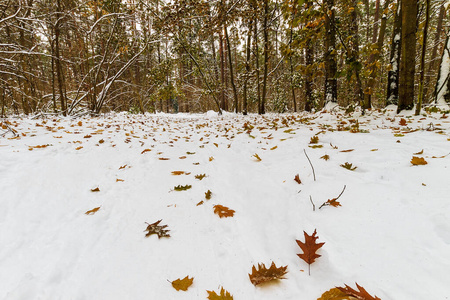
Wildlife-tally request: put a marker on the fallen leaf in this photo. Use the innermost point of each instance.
(92, 211)
(223, 295)
(79, 148)
(297, 179)
(146, 150)
(163, 158)
(263, 274)
(362, 294)
(200, 203)
(419, 153)
(334, 294)
(200, 176)
(211, 158)
(119, 180)
(349, 150)
(179, 188)
(309, 248)
(154, 228)
(402, 122)
(182, 284)
(418, 161)
(257, 157)
(325, 157)
(122, 167)
(273, 148)
(95, 190)
(208, 195)
(223, 211)
(178, 173)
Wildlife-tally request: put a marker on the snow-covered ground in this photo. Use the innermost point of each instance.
(391, 233)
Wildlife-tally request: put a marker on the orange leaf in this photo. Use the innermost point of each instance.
(177, 173)
(79, 148)
(224, 295)
(418, 161)
(146, 150)
(122, 167)
(362, 294)
(95, 190)
(223, 211)
(92, 211)
(402, 122)
(119, 180)
(297, 179)
(182, 284)
(309, 248)
(263, 274)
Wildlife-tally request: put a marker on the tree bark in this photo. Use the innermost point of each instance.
(408, 55)
(262, 109)
(422, 58)
(396, 46)
(330, 54)
(235, 95)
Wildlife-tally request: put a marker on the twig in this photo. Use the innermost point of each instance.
(314, 173)
(310, 199)
(327, 203)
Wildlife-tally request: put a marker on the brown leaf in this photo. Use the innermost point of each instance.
(418, 161)
(178, 173)
(122, 167)
(146, 150)
(224, 295)
(325, 157)
(257, 157)
(154, 228)
(402, 122)
(309, 248)
(263, 274)
(163, 158)
(182, 284)
(79, 148)
(419, 153)
(333, 202)
(119, 180)
(274, 147)
(223, 211)
(95, 190)
(208, 195)
(334, 294)
(92, 211)
(362, 294)
(349, 150)
(297, 179)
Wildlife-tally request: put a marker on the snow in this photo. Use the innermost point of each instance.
(391, 235)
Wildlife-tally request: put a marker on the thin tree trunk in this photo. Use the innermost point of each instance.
(258, 84)
(422, 58)
(266, 56)
(59, 74)
(396, 46)
(247, 67)
(330, 54)
(235, 95)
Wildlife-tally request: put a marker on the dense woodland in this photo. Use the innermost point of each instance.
(76, 57)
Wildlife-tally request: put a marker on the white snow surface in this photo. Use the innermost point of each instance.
(391, 233)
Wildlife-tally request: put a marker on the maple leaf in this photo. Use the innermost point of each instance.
(224, 295)
(325, 157)
(179, 188)
(263, 274)
(297, 179)
(309, 248)
(418, 161)
(362, 294)
(92, 211)
(182, 284)
(223, 211)
(155, 228)
(334, 294)
(200, 176)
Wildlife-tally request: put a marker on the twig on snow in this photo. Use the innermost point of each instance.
(312, 167)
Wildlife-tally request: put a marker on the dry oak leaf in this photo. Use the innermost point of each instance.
(224, 295)
(263, 274)
(95, 190)
(178, 173)
(154, 228)
(402, 122)
(223, 211)
(362, 294)
(182, 284)
(146, 150)
(418, 161)
(297, 179)
(325, 157)
(208, 195)
(92, 211)
(419, 153)
(335, 294)
(309, 248)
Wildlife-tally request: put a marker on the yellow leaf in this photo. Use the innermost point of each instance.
(224, 295)
(335, 294)
(418, 161)
(273, 148)
(92, 211)
(182, 284)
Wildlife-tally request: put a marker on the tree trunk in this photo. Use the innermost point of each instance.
(247, 67)
(59, 72)
(374, 58)
(235, 95)
(330, 54)
(396, 46)
(262, 109)
(408, 55)
(442, 90)
(258, 84)
(422, 58)
(433, 58)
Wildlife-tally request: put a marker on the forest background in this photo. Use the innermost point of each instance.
(75, 57)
